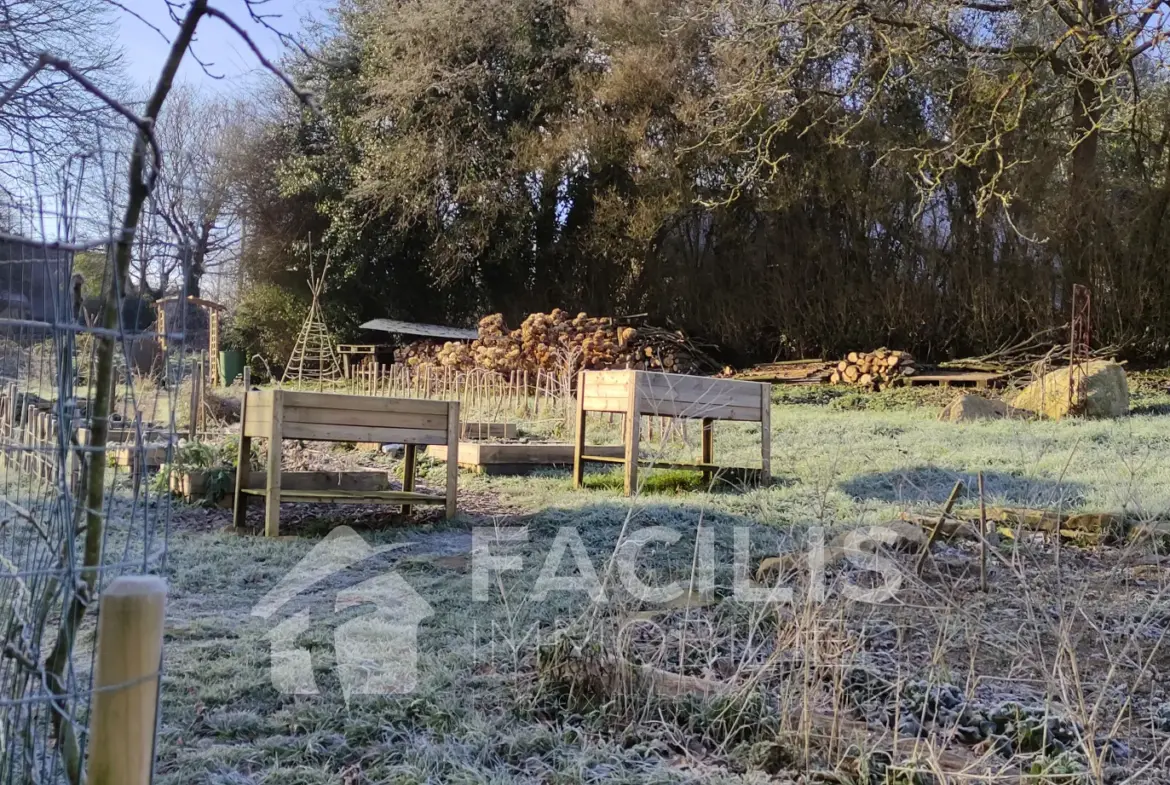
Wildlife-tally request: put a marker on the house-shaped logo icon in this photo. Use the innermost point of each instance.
(377, 652)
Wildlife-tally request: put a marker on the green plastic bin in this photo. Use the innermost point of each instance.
(231, 365)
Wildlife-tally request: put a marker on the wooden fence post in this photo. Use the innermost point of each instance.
(126, 679)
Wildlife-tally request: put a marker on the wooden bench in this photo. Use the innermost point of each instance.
(637, 393)
(284, 414)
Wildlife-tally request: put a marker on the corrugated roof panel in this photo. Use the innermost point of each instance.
(424, 330)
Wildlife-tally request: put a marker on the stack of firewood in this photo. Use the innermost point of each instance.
(557, 341)
(875, 370)
(418, 352)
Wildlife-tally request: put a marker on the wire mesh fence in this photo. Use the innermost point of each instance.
(75, 510)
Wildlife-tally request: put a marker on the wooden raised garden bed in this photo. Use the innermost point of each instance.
(635, 394)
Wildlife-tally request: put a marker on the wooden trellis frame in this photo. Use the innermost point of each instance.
(213, 311)
(314, 357)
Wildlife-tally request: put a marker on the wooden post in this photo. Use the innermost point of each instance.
(452, 457)
(272, 483)
(579, 439)
(408, 461)
(29, 463)
(213, 346)
(191, 402)
(766, 434)
(126, 679)
(633, 435)
(204, 377)
(243, 461)
(707, 447)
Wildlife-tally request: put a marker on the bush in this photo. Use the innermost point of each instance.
(266, 322)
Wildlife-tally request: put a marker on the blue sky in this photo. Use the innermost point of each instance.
(216, 44)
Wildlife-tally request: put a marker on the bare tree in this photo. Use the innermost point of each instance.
(194, 198)
(48, 116)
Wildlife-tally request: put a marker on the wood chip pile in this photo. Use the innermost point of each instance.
(556, 340)
(875, 370)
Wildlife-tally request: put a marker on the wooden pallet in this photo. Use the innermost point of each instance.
(944, 378)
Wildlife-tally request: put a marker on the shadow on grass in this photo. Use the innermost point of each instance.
(1155, 409)
(933, 485)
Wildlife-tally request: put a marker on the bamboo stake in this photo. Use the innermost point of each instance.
(954, 497)
(983, 537)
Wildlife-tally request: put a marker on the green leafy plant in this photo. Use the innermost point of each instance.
(215, 461)
(266, 322)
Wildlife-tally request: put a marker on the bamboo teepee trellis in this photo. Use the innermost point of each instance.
(314, 357)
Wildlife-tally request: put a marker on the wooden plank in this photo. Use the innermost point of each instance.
(452, 466)
(323, 416)
(633, 437)
(766, 434)
(322, 481)
(468, 453)
(698, 411)
(579, 439)
(362, 433)
(408, 466)
(689, 387)
(489, 430)
(946, 378)
(243, 459)
(272, 484)
(364, 403)
(259, 398)
(123, 435)
(352, 497)
(148, 456)
(707, 446)
(656, 464)
(257, 420)
(595, 390)
(595, 404)
(472, 454)
(537, 453)
(609, 377)
(722, 392)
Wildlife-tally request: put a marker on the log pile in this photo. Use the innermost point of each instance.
(557, 340)
(419, 352)
(875, 370)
